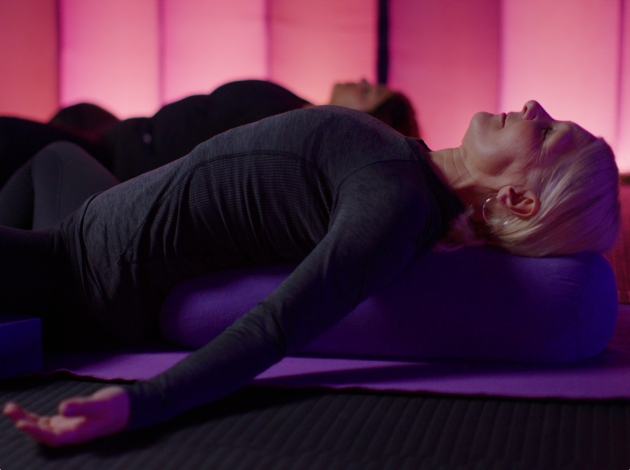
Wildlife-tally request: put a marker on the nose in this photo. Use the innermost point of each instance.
(533, 110)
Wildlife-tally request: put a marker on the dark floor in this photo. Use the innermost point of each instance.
(274, 428)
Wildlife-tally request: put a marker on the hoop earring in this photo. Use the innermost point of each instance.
(485, 217)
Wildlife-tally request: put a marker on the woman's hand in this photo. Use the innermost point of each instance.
(79, 419)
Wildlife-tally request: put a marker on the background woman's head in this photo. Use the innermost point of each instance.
(554, 186)
(391, 107)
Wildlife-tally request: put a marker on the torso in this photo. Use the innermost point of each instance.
(264, 193)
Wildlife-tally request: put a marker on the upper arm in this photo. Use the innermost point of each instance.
(375, 230)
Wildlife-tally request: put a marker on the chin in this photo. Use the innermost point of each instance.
(482, 116)
(480, 122)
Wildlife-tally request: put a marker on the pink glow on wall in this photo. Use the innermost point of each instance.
(314, 44)
(444, 55)
(206, 44)
(564, 54)
(109, 54)
(622, 147)
(452, 57)
(28, 58)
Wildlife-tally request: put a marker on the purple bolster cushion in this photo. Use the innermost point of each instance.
(474, 303)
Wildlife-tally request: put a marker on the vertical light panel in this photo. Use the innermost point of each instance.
(314, 44)
(623, 125)
(564, 54)
(109, 54)
(444, 54)
(28, 58)
(207, 43)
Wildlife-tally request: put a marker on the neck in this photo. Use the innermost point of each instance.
(451, 170)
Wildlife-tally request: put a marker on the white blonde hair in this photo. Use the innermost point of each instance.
(579, 209)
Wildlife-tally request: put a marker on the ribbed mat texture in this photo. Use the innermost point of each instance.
(275, 428)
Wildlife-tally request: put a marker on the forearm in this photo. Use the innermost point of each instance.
(223, 366)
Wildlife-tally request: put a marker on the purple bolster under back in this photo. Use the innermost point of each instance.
(474, 303)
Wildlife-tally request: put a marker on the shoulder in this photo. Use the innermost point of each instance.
(255, 88)
(338, 120)
(247, 84)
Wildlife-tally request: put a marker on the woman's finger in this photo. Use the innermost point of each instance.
(38, 429)
(59, 430)
(15, 412)
(45, 434)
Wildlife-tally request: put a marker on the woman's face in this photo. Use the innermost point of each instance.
(503, 146)
(361, 95)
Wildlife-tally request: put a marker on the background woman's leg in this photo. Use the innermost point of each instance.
(32, 270)
(36, 279)
(21, 139)
(50, 186)
(34, 276)
(64, 176)
(17, 199)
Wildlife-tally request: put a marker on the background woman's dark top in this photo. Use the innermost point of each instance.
(138, 145)
(341, 192)
(133, 146)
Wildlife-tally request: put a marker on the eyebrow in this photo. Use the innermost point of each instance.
(552, 142)
(566, 131)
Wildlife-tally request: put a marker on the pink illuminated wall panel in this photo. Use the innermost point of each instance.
(28, 58)
(445, 55)
(622, 147)
(452, 57)
(109, 54)
(208, 43)
(314, 44)
(564, 54)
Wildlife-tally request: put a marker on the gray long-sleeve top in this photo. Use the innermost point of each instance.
(335, 189)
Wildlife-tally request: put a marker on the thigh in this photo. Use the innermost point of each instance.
(63, 177)
(36, 279)
(21, 139)
(17, 199)
(32, 270)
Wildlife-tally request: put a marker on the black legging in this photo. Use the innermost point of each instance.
(36, 280)
(50, 186)
(35, 274)
(21, 139)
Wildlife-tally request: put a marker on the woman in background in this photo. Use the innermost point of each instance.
(47, 188)
(133, 146)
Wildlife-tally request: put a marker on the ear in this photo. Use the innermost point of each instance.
(523, 203)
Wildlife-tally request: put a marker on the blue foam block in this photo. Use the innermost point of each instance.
(20, 345)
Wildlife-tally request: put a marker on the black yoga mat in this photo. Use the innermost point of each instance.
(281, 428)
